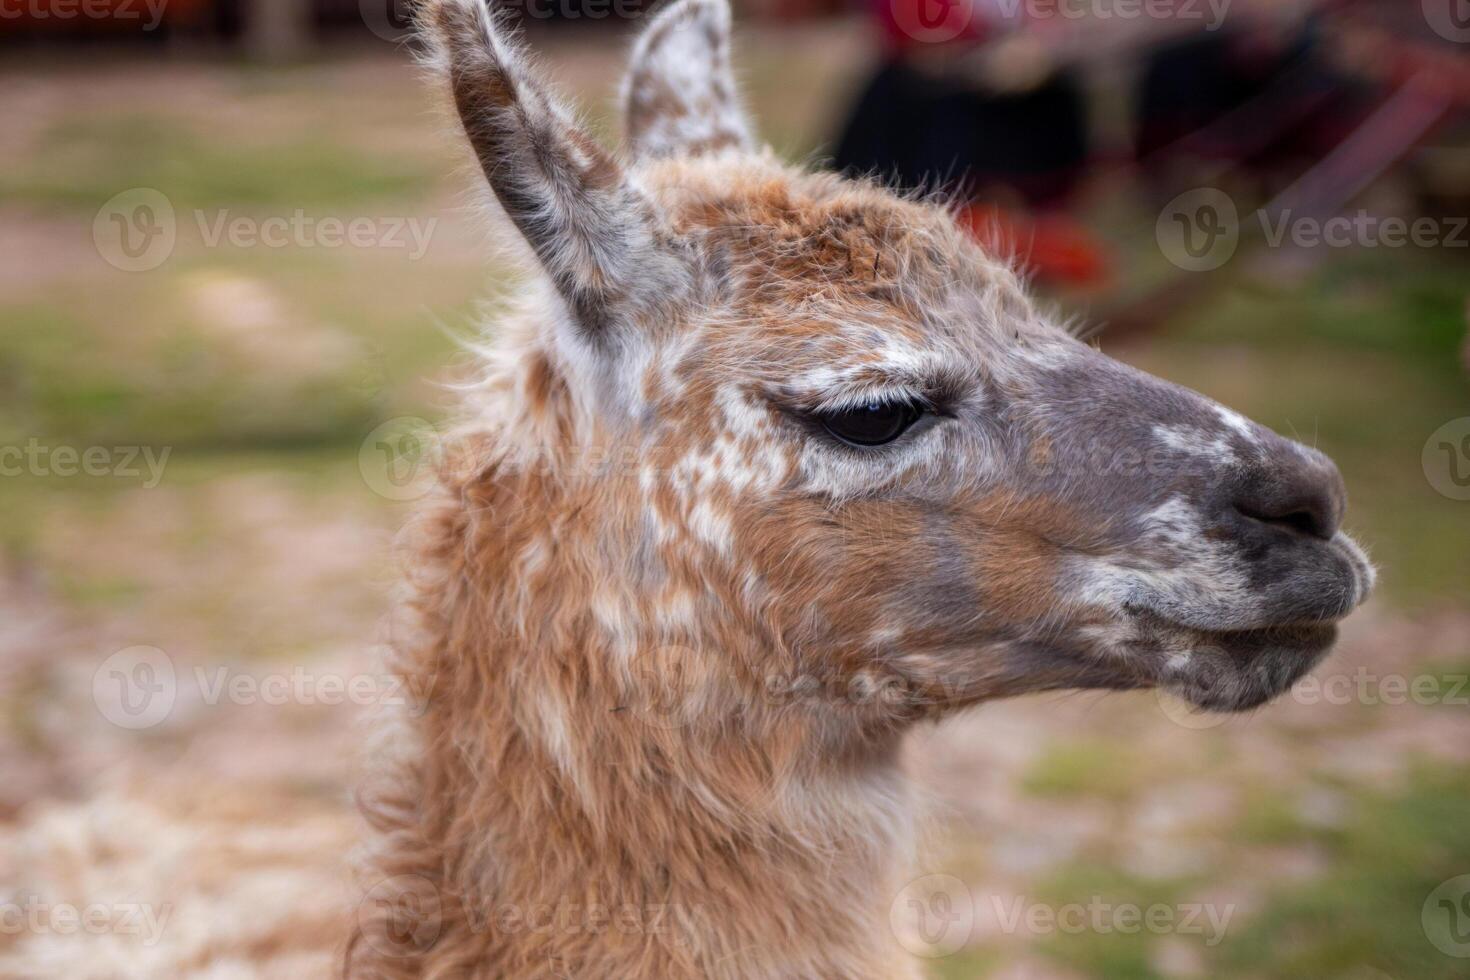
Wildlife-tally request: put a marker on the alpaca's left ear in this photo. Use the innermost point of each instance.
(679, 96)
(586, 222)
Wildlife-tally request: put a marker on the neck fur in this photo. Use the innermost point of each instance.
(595, 784)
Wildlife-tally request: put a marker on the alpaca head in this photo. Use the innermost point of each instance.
(845, 431)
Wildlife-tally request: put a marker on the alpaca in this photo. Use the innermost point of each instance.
(767, 467)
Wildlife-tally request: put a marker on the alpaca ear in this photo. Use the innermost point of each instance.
(569, 198)
(679, 96)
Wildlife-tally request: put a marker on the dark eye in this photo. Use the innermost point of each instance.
(872, 424)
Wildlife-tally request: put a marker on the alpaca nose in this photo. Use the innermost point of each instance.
(1292, 488)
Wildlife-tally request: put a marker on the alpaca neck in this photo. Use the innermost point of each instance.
(629, 843)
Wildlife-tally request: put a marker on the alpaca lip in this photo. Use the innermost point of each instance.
(1242, 669)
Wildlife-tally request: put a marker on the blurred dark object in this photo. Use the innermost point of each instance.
(1242, 101)
(1281, 104)
(921, 130)
(956, 108)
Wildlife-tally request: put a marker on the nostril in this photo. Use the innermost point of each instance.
(1300, 521)
(1315, 518)
(1288, 488)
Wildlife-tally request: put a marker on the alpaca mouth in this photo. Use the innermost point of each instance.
(1230, 656)
(1238, 670)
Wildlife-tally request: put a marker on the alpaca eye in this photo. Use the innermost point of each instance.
(873, 424)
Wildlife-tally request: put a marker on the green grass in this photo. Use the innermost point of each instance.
(161, 387)
(1096, 769)
(84, 160)
(1362, 918)
(1110, 950)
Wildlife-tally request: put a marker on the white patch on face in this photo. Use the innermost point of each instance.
(1176, 571)
(725, 464)
(1196, 442)
(1174, 521)
(1237, 423)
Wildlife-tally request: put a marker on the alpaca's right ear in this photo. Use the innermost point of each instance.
(570, 199)
(679, 97)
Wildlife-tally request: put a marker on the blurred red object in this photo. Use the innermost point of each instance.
(1052, 247)
(87, 16)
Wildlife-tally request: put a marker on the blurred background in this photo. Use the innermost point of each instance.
(236, 254)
